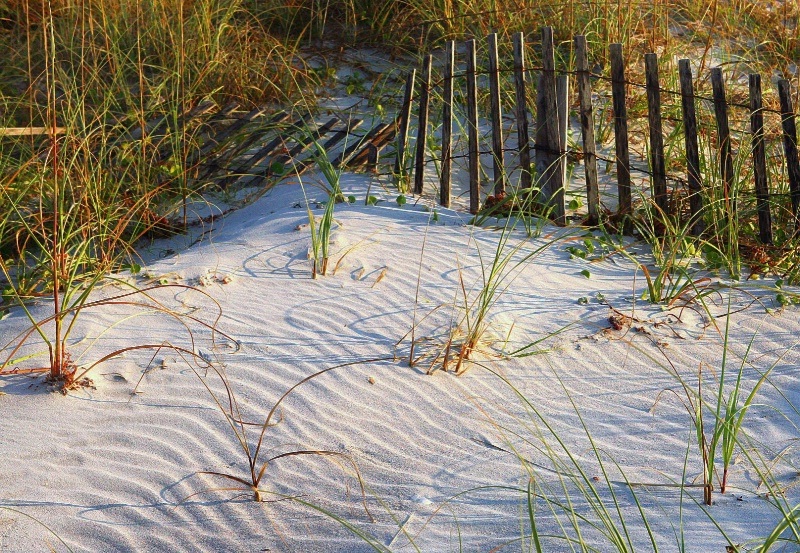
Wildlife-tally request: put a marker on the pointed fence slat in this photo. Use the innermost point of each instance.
(337, 137)
(496, 117)
(790, 147)
(402, 139)
(220, 138)
(657, 160)
(620, 128)
(422, 125)
(697, 225)
(548, 152)
(587, 130)
(760, 160)
(723, 138)
(447, 125)
(167, 147)
(521, 112)
(474, 160)
(282, 164)
(562, 103)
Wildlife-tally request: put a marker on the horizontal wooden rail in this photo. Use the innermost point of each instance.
(31, 131)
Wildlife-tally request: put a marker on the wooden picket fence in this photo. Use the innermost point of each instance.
(549, 142)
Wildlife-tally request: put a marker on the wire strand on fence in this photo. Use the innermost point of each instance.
(537, 69)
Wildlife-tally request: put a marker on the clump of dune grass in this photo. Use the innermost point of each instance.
(567, 505)
(70, 305)
(719, 422)
(117, 80)
(471, 311)
(564, 503)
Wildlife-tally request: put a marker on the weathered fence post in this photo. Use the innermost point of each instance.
(373, 153)
(790, 147)
(422, 125)
(496, 117)
(562, 103)
(447, 125)
(523, 138)
(657, 162)
(760, 161)
(697, 225)
(548, 155)
(620, 128)
(724, 139)
(587, 127)
(402, 137)
(474, 160)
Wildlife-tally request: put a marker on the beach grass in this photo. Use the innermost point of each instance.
(76, 202)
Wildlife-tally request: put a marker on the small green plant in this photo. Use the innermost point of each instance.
(321, 229)
(670, 286)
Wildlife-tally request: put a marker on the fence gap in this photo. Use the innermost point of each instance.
(657, 161)
(447, 125)
(496, 117)
(724, 138)
(402, 138)
(760, 160)
(620, 128)
(790, 147)
(587, 128)
(523, 138)
(474, 160)
(422, 124)
(697, 225)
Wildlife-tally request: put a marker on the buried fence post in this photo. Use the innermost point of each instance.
(548, 151)
(472, 130)
(587, 127)
(697, 225)
(422, 125)
(447, 126)
(496, 117)
(760, 160)
(657, 160)
(620, 128)
(523, 138)
(790, 147)
(402, 138)
(724, 139)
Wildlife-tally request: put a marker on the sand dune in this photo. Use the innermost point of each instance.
(111, 471)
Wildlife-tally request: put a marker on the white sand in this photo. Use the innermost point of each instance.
(108, 471)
